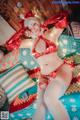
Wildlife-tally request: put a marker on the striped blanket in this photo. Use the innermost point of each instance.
(15, 80)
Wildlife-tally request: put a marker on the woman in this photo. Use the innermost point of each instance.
(47, 59)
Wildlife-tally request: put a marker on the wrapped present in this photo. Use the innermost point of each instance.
(68, 46)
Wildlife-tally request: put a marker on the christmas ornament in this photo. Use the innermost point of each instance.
(19, 4)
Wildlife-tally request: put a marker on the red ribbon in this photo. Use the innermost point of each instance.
(33, 73)
(29, 14)
(15, 41)
(59, 21)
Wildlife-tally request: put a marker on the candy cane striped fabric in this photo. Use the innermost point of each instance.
(15, 81)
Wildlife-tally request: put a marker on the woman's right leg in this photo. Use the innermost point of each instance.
(55, 90)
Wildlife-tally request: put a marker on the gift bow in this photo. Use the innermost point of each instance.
(15, 41)
(59, 21)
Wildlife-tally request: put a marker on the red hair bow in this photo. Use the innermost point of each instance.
(29, 14)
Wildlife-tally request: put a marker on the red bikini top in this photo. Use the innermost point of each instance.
(50, 47)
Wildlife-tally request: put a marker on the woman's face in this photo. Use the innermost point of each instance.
(35, 28)
(33, 25)
(33, 32)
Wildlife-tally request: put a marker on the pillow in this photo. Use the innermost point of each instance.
(27, 59)
(68, 46)
(15, 80)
